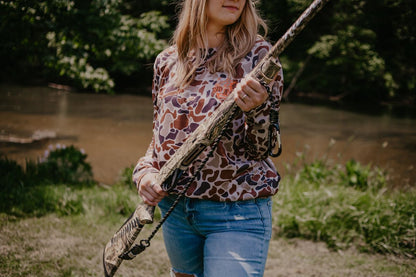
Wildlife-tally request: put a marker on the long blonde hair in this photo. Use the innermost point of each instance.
(191, 40)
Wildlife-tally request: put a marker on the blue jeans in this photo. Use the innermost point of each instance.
(217, 239)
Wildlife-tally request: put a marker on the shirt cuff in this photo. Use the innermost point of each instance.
(138, 175)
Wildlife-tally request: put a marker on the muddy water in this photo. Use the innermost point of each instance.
(115, 131)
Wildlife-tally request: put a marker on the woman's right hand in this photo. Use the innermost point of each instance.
(149, 191)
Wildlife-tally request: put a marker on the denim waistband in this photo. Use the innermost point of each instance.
(187, 199)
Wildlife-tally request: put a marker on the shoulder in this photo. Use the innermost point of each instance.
(166, 57)
(261, 47)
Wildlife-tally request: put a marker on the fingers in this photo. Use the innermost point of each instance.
(250, 94)
(150, 192)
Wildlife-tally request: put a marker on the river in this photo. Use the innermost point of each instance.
(114, 131)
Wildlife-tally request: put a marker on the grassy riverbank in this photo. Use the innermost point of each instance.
(72, 246)
(329, 220)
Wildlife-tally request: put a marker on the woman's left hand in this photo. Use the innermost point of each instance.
(250, 94)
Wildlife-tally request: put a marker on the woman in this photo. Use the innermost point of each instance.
(223, 225)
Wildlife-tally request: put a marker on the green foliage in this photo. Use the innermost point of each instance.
(351, 56)
(118, 200)
(66, 165)
(315, 172)
(120, 50)
(362, 50)
(40, 200)
(61, 183)
(126, 177)
(84, 43)
(351, 206)
(355, 175)
(45, 186)
(342, 205)
(362, 177)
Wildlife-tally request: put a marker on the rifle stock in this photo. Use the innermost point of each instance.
(265, 72)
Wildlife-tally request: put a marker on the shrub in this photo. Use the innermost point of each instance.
(66, 165)
(85, 44)
(42, 186)
(351, 206)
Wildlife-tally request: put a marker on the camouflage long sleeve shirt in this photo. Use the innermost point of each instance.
(240, 168)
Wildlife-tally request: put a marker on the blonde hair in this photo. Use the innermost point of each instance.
(191, 40)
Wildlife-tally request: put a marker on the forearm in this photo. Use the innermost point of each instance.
(145, 165)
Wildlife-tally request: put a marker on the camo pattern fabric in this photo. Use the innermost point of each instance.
(240, 168)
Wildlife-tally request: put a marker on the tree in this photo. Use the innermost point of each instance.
(362, 51)
(353, 50)
(83, 43)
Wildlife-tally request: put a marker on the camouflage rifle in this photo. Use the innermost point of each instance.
(120, 248)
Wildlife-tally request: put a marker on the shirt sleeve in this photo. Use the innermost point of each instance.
(144, 165)
(147, 163)
(257, 121)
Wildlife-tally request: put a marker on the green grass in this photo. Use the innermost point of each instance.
(347, 205)
(48, 185)
(344, 205)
